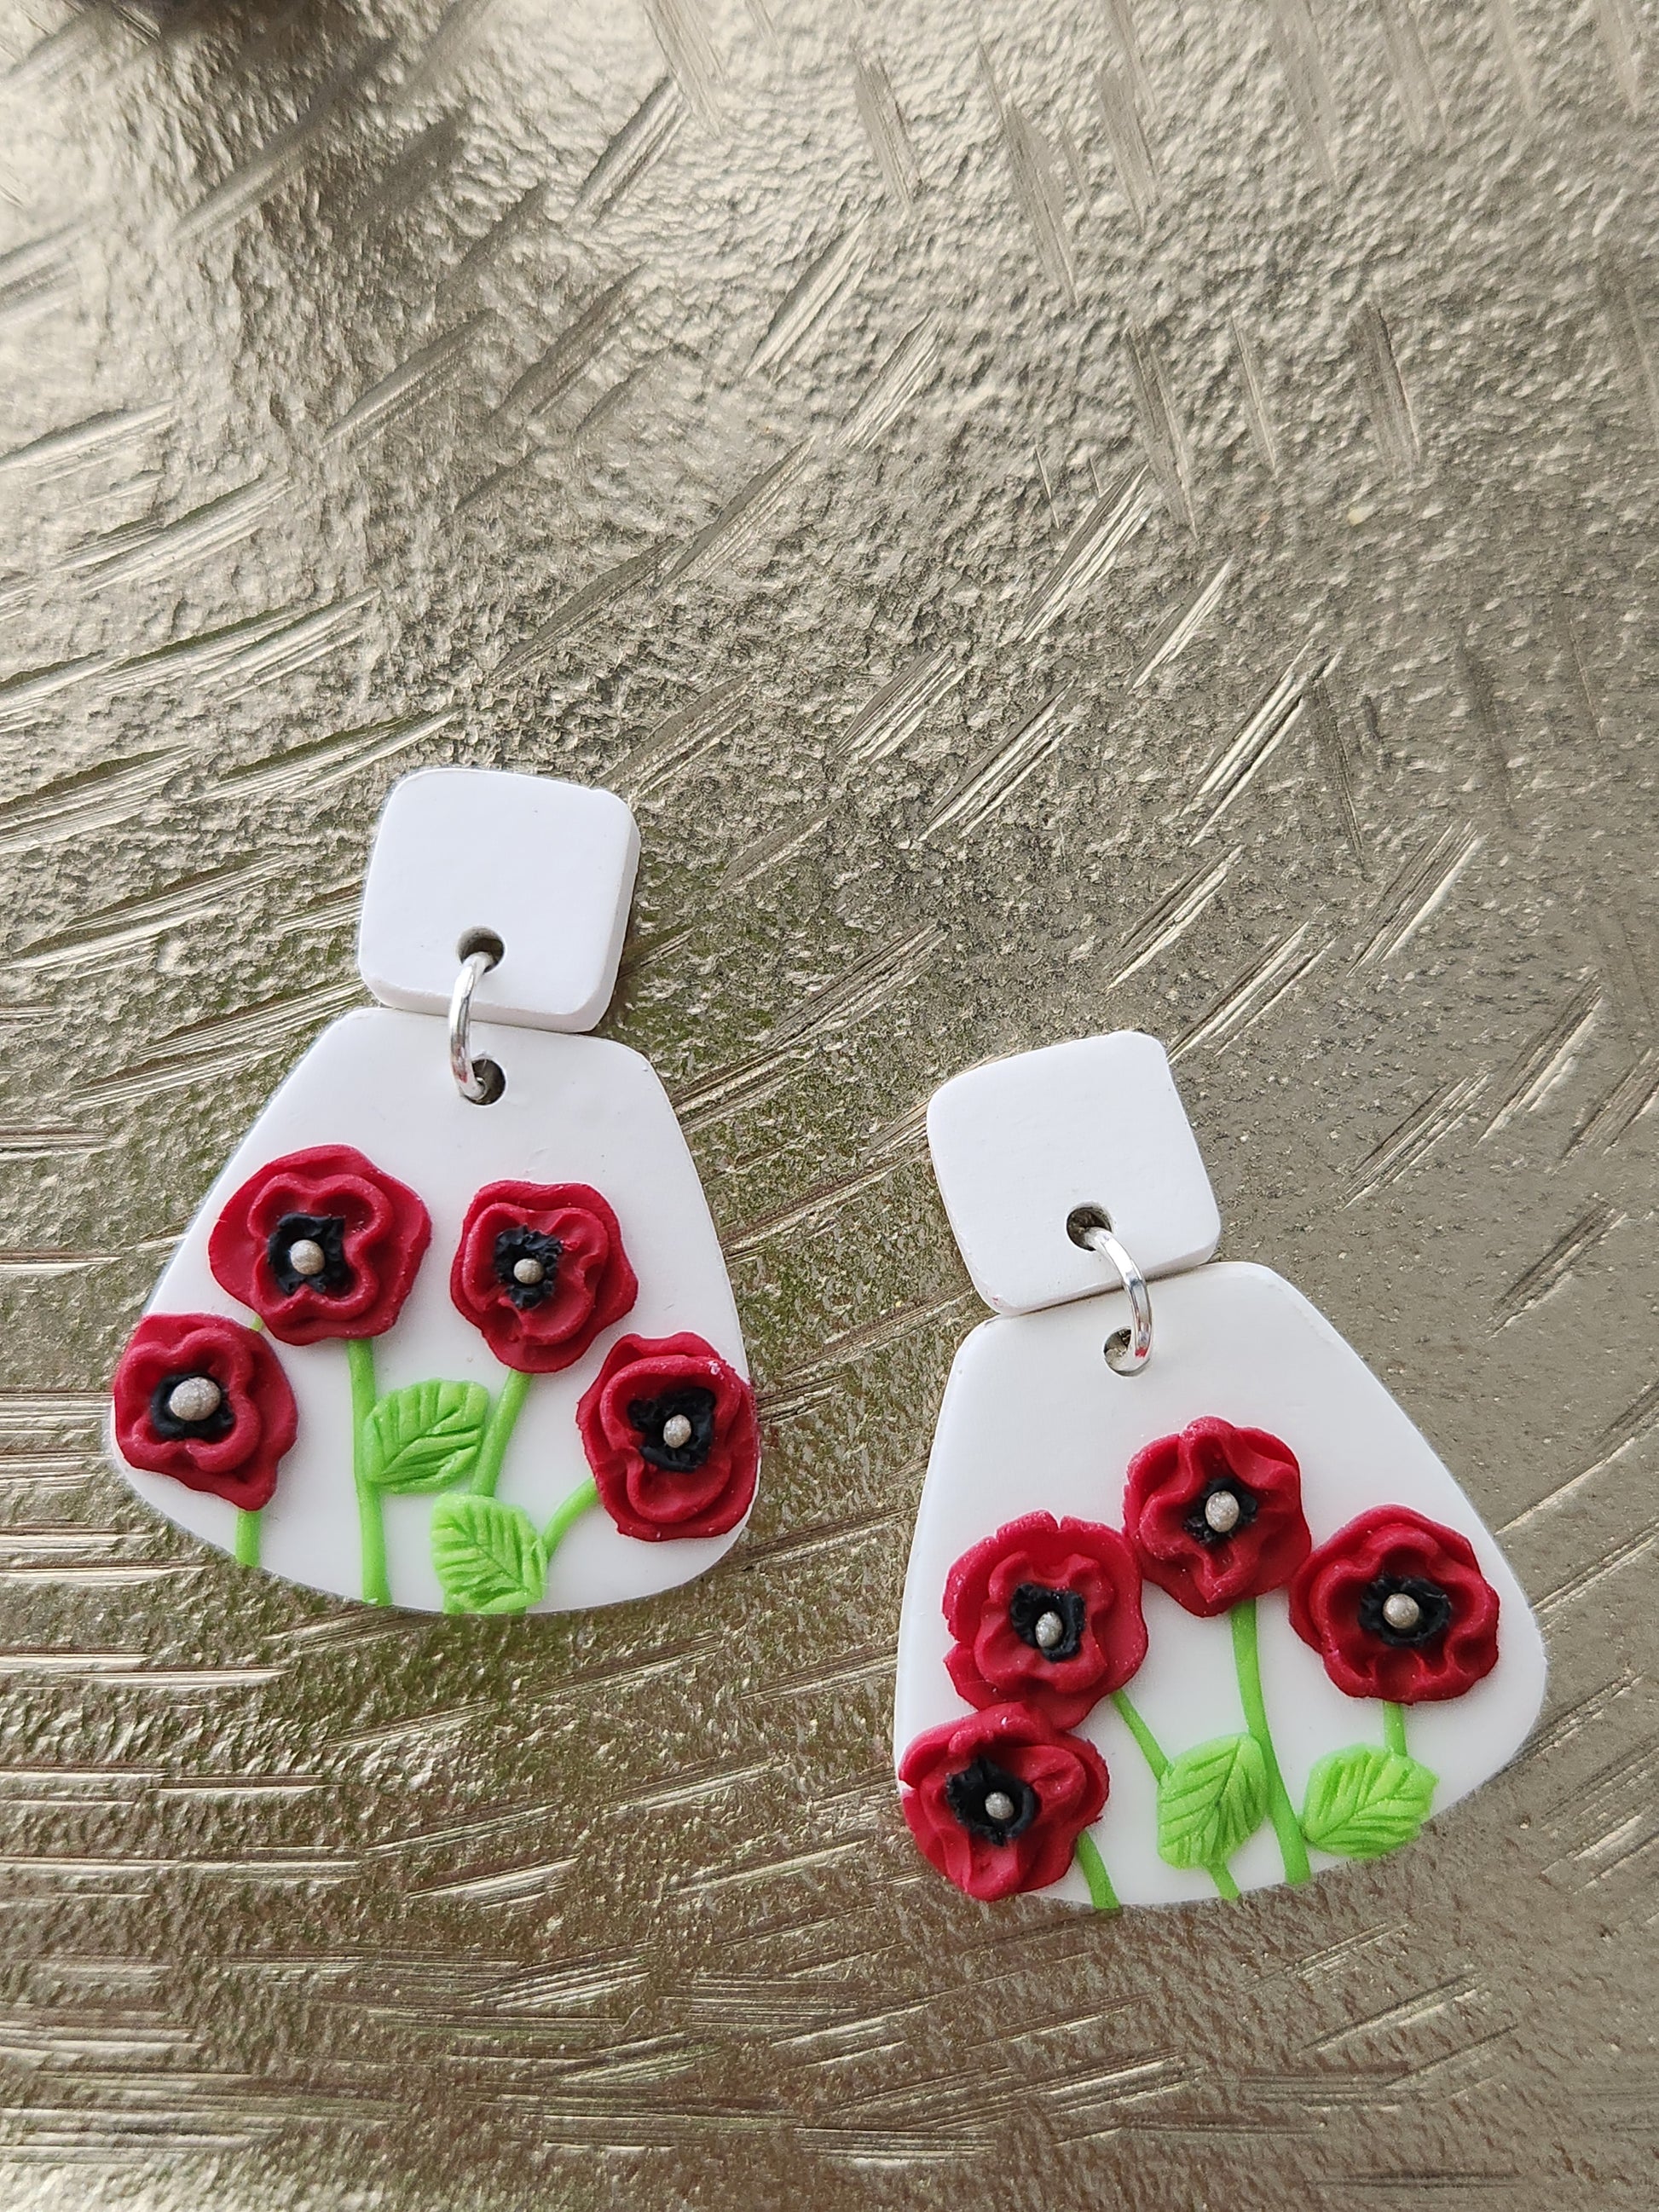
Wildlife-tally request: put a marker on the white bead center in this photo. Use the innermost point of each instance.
(998, 1807)
(677, 1432)
(307, 1256)
(197, 1398)
(1049, 1631)
(1221, 1511)
(528, 1272)
(1401, 1611)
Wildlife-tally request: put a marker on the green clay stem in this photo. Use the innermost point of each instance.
(1150, 1749)
(1247, 1660)
(1101, 1895)
(1394, 1727)
(371, 1523)
(586, 1494)
(499, 1433)
(248, 1538)
(1152, 1752)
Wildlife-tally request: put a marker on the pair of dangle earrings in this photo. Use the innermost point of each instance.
(453, 1331)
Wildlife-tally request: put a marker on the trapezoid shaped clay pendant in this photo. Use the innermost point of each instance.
(455, 1332)
(1179, 1625)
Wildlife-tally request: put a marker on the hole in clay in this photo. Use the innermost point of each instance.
(489, 1074)
(481, 940)
(1082, 1218)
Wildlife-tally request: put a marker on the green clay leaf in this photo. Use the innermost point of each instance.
(488, 1556)
(425, 1437)
(1210, 1800)
(1365, 1800)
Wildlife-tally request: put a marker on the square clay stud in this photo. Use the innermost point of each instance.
(547, 867)
(1020, 1144)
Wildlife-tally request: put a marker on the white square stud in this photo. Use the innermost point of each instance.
(547, 867)
(1020, 1144)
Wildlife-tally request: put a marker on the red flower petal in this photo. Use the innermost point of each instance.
(991, 1662)
(383, 1232)
(1068, 1776)
(588, 1284)
(650, 1490)
(235, 1456)
(1205, 1570)
(1336, 1600)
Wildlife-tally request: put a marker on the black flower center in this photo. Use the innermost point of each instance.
(1051, 1621)
(989, 1802)
(167, 1424)
(676, 1430)
(527, 1266)
(1404, 1609)
(320, 1262)
(1221, 1509)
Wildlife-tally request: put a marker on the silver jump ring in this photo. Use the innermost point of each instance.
(469, 1080)
(1127, 1349)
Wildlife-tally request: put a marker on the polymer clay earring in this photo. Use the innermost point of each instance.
(1202, 1615)
(452, 1330)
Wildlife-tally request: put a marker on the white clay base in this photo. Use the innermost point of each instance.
(1034, 1420)
(576, 1109)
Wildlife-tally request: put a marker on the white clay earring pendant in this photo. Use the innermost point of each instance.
(453, 1329)
(1202, 1615)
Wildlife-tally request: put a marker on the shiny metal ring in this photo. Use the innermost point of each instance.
(469, 1080)
(1127, 1349)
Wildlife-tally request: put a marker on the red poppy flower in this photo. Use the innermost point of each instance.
(1397, 1607)
(1046, 1611)
(540, 1269)
(321, 1243)
(1215, 1514)
(670, 1432)
(997, 1801)
(204, 1400)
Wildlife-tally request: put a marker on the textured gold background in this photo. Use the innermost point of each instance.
(1058, 516)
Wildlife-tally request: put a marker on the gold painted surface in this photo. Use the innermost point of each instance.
(1057, 516)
